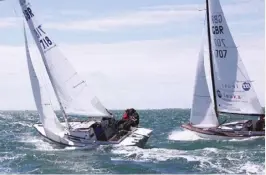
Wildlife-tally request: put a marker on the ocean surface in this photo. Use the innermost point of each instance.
(169, 150)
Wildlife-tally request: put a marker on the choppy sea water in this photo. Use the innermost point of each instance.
(169, 150)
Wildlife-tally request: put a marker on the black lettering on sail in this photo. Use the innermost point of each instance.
(28, 13)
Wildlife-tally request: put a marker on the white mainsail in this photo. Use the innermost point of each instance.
(233, 88)
(50, 122)
(71, 91)
(202, 112)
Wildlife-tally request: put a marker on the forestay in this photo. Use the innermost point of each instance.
(234, 90)
(202, 113)
(71, 91)
(48, 118)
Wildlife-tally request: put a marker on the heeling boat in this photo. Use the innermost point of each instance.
(73, 96)
(232, 89)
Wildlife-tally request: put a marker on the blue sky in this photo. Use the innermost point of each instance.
(60, 11)
(154, 43)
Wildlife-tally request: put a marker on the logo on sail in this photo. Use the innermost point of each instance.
(246, 86)
(230, 86)
(219, 93)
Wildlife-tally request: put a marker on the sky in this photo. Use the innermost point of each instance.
(139, 54)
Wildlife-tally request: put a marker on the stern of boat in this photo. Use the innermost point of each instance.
(138, 137)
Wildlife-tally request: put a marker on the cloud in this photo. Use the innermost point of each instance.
(139, 18)
(140, 74)
(144, 16)
(154, 15)
(74, 12)
(7, 22)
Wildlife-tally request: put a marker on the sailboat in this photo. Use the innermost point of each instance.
(232, 89)
(73, 96)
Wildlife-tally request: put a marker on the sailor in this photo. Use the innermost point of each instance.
(134, 116)
(260, 125)
(99, 132)
(125, 117)
(133, 119)
(130, 118)
(247, 126)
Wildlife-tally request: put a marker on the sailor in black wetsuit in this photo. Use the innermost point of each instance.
(260, 125)
(130, 118)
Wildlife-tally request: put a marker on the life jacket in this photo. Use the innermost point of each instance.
(125, 116)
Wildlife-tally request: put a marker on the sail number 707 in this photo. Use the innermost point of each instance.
(221, 53)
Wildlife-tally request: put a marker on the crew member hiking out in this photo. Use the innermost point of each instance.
(130, 118)
(124, 118)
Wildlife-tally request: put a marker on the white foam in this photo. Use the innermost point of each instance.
(215, 150)
(250, 167)
(45, 145)
(89, 147)
(9, 157)
(160, 154)
(23, 124)
(183, 136)
(154, 154)
(38, 143)
(245, 139)
(6, 116)
(6, 157)
(208, 158)
(207, 164)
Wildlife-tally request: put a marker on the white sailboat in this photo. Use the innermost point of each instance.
(73, 96)
(232, 88)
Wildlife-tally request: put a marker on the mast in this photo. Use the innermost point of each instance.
(211, 58)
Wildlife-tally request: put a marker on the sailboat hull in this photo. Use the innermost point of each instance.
(137, 137)
(222, 134)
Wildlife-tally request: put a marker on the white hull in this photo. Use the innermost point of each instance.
(137, 137)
